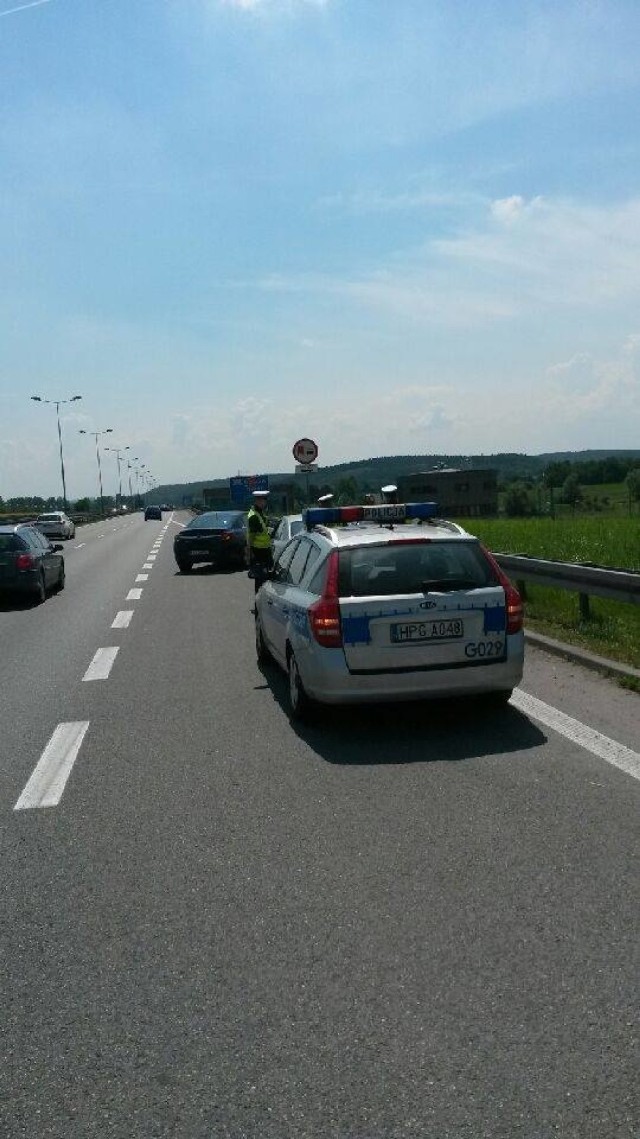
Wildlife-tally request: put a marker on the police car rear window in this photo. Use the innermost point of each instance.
(413, 567)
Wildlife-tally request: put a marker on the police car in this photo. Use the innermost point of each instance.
(383, 603)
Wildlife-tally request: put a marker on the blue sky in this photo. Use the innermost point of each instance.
(396, 226)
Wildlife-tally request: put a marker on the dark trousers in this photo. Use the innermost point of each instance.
(261, 563)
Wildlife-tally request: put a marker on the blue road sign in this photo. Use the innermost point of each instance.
(241, 487)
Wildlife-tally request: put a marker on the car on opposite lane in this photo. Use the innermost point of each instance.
(383, 611)
(286, 529)
(217, 537)
(29, 563)
(56, 524)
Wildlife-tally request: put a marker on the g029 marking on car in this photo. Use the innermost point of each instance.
(484, 649)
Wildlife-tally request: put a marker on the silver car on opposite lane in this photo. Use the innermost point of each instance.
(372, 613)
(56, 524)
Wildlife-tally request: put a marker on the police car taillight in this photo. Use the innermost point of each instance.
(324, 614)
(512, 599)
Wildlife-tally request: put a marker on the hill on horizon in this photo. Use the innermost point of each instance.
(372, 473)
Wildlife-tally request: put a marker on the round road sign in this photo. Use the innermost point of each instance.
(305, 451)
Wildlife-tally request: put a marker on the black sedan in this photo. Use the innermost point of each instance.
(29, 564)
(218, 537)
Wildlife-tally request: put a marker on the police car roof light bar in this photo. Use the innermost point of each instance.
(383, 512)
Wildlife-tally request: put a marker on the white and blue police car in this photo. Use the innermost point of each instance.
(389, 602)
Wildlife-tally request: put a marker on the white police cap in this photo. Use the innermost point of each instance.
(390, 489)
(261, 494)
(325, 499)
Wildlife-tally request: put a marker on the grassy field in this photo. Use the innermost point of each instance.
(613, 629)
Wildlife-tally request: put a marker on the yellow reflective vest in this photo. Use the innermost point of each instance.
(261, 539)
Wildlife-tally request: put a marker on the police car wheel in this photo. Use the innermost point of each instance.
(262, 653)
(184, 566)
(300, 704)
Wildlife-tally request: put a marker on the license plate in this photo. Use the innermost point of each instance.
(195, 552)
(410, 631)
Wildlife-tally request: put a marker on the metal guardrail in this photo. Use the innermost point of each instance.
(585, 580)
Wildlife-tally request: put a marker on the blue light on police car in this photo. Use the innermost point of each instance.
(321, 515)
(422, 510)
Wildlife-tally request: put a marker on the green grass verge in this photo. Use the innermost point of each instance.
(613, 629)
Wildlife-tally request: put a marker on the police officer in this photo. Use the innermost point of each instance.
(260, 544)
(389, 493)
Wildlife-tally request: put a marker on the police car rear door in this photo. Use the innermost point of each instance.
(418, 604)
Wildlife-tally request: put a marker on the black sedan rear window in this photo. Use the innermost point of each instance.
(10, 542)
(413, 567)
(215, 520)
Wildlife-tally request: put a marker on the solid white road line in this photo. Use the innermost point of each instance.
(52, 770)
(101, 664)
(122, 619)
(178, 523)
(134, 595)
(612, 752)
(142, 577)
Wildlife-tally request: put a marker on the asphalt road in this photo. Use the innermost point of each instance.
(397, 922)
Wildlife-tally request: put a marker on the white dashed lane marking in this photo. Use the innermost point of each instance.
(142, 577)
(122, 619)
(134, 594)
(604, 748)
(52, 770)
(101, 664)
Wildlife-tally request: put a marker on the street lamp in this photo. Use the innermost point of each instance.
(143, 478)
(57, 402)
(133, 468)
(118, 451)
(96, 435)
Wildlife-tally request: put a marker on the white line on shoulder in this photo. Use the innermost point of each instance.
(602, 746)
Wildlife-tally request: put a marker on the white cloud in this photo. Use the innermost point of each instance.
(521, 260)
(510, 210)
(578, 389)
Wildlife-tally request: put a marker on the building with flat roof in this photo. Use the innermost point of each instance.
(462, 493)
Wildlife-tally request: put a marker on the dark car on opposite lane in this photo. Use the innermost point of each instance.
(29, 563)
(218, 537)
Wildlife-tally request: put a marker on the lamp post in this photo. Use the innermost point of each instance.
(56, 403)
(133, 468)
(96, 435)
(118, 451)
(143, 476)
(129, 469)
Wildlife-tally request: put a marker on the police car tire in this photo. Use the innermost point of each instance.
(300, 704)
(262, 653)
(184, 566)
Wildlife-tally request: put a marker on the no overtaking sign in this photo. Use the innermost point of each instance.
(305, 451)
